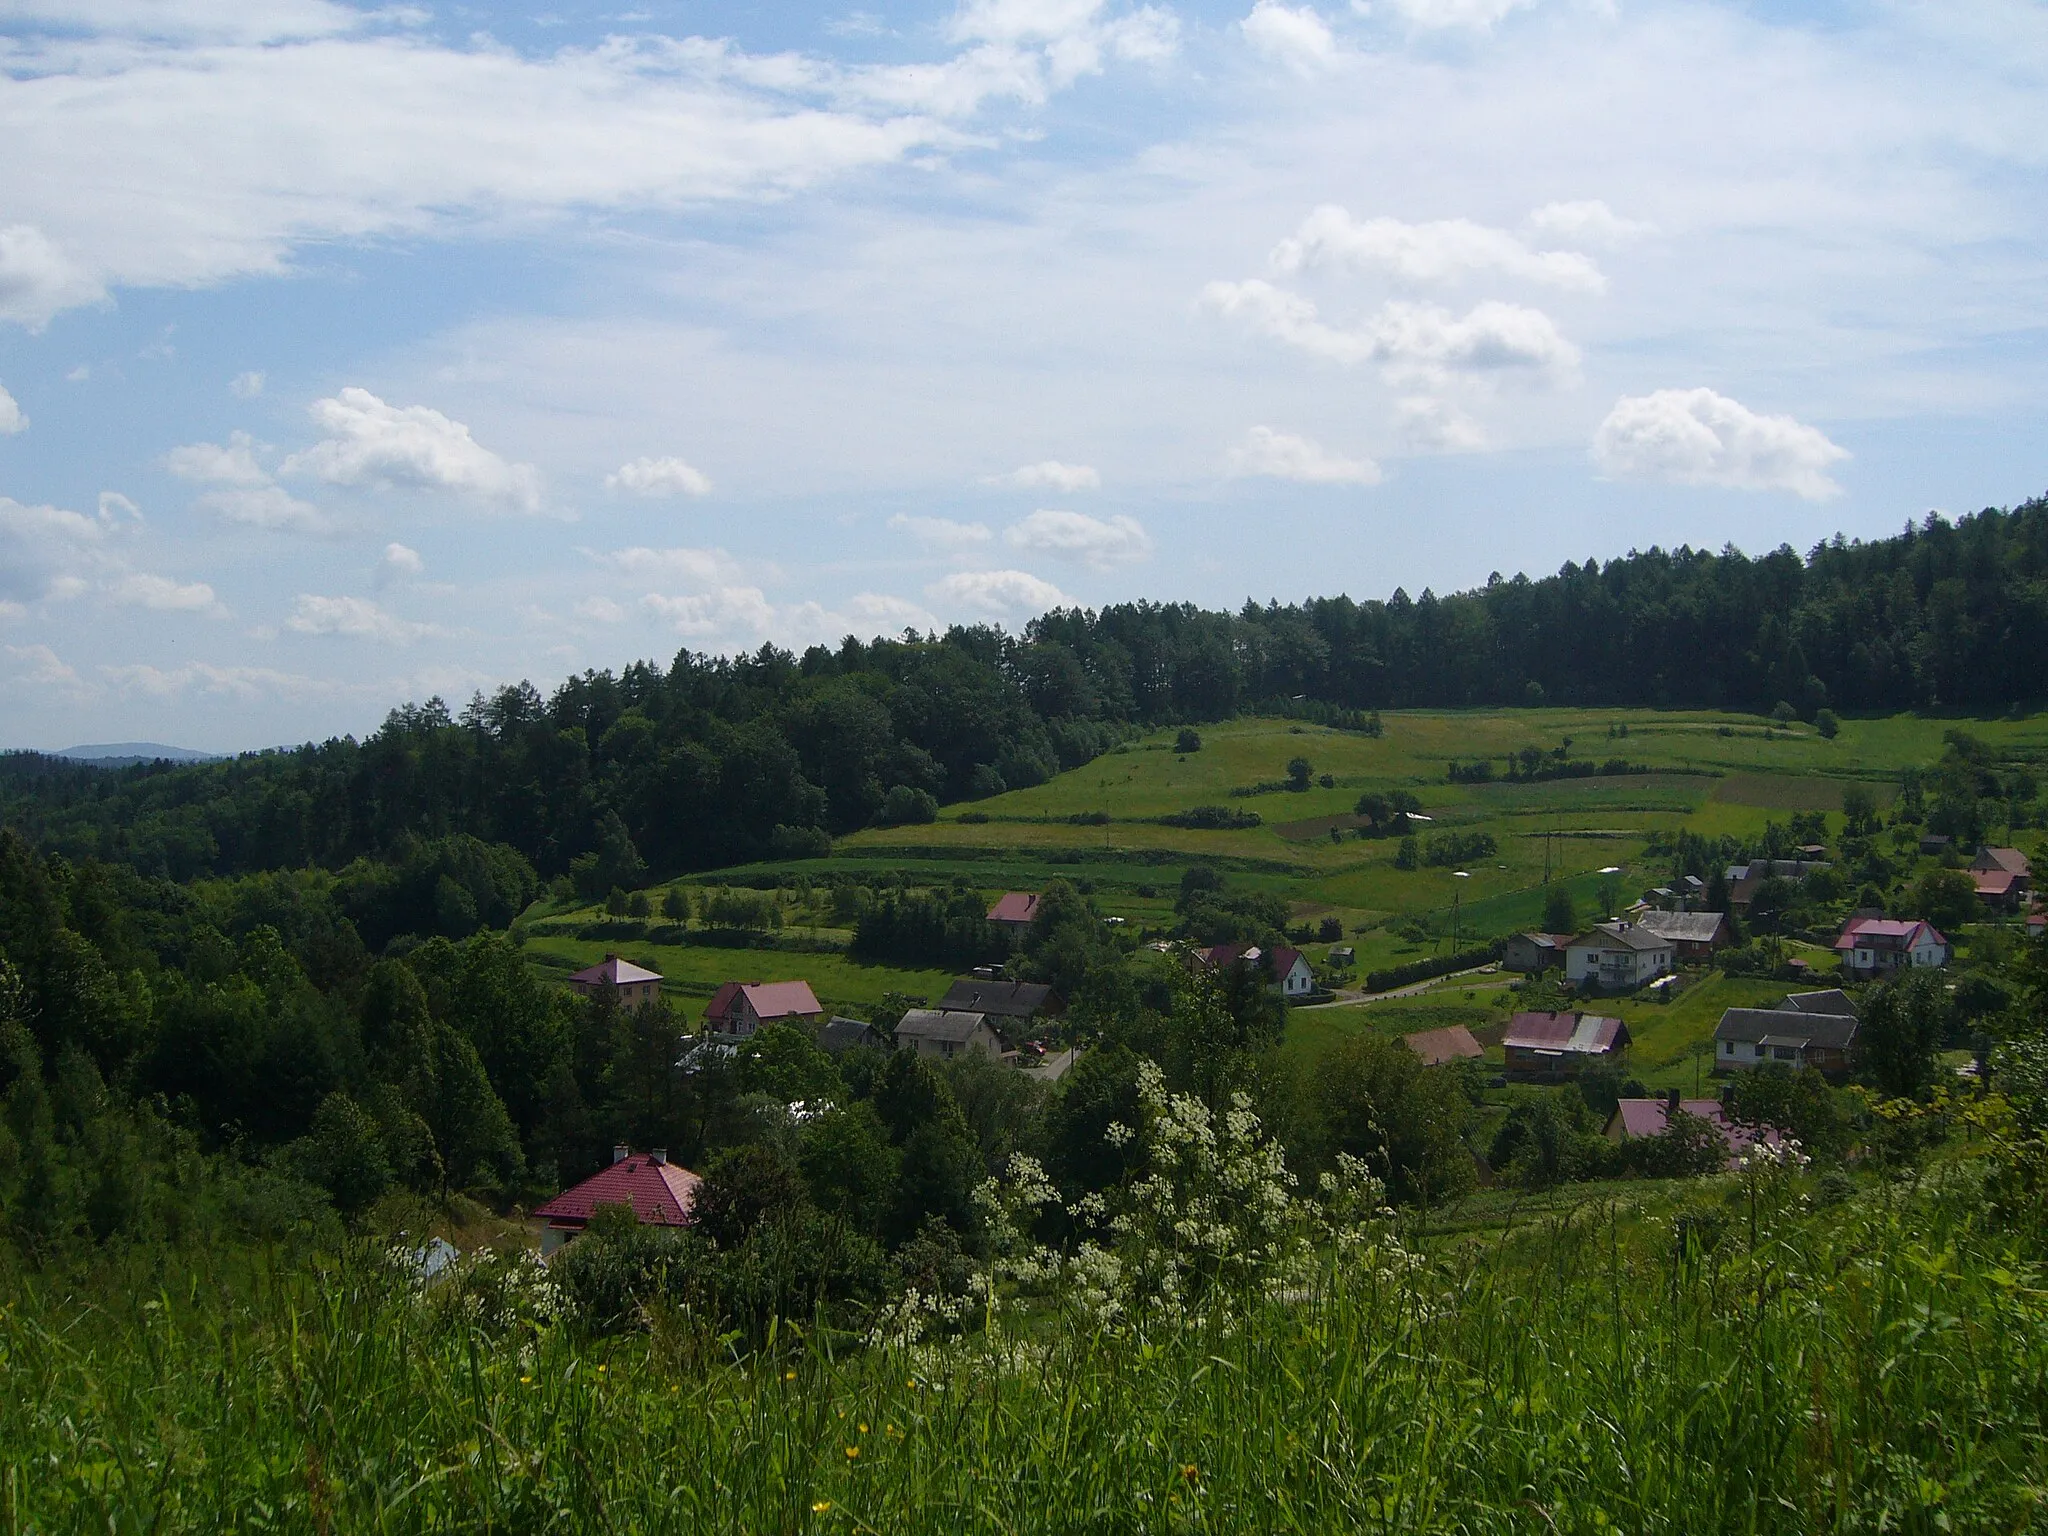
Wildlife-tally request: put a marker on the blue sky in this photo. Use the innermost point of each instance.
(355, 354)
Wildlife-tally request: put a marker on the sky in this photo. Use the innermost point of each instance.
(351, 355)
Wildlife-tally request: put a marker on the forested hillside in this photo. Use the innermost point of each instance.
(717, 760)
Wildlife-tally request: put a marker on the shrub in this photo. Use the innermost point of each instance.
(805, 842)
(1189, 740)
(905, 806)
(1211, 818)
(1827, 723)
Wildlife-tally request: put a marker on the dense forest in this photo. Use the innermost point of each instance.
(716, 760)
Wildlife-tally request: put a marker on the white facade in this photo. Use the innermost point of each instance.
(1613, 962)
(1299, 980)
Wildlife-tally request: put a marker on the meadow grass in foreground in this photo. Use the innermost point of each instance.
(1882, 1365)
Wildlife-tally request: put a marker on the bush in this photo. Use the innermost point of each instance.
(809, 842)
(1827, 723)
(1211, 818)
(904, 806)
(1189, 740)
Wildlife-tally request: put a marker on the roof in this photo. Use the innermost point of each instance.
(1619, 935)
(1280, 959)
(770, 1000)
(1437, 1046)
(1578, 1034)
(1788, 1026)
(1887, 933)
(1015, 907)
(1684, 927)
(615, 971)
(1650, 1117)
(954, 1025)
(2010, 860)
(659, 1193)
(1995, 882)
(1832, 1000)
(1004, 999)
(1541, 940)
(841, 1034)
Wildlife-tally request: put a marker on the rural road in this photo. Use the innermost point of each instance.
(1353, 999)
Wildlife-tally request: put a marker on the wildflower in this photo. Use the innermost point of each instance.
(863, 1429)
(821, 1506)
(526, 1381)
(789, 1375)
(600, 1367)
(1190, 1472)
(852, 1452)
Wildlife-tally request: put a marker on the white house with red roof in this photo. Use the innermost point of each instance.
(1014, 911)
(636, 986)
(1877, 946)
(740, 1007)
(660, 1194)
(1286, 968)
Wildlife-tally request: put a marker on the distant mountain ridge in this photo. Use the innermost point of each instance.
(119, 754)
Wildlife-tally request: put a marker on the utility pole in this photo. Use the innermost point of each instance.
(1457, 894)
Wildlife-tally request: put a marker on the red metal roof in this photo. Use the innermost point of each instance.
(1649, 1117)
(773, 1000)
(722, 1001)
(660, 1194)
(1015, 907)
(1437, 1046)
(1581, 1034)
(616, 971)
(1995, 882)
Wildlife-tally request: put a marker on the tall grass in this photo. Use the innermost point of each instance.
(1879, 1366)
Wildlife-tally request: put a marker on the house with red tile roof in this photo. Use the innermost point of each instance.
(1877, 946)
(740, 1007)
(634, 985)
(1014, 911)
(2003, 877)
(1285, 968)
(659, 1192)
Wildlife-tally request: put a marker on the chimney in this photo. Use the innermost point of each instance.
(621, 1152)
(658, 1156)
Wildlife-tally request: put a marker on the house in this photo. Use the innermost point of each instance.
(1286, 968)
(1807, 1029)
(1877, 946)
(1935, 843)
(1618, 957)
(1533, 952)
(1558, 1044)
(1634, 1119)
(1694, 935)
(1014, 911)
(659, 1192)
(740, 1007)
(633, 985)
(949, 1032)
(1681, 895)
(1434, 1047)
(1014, 1003)
(841, 1035)
(2004, 878)
(1745, 879)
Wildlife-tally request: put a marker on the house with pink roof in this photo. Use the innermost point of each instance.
(1014, 911)
(1877, 946)
(634, 985)
(739, 1008)
(657, 1191)
(1634, 1119)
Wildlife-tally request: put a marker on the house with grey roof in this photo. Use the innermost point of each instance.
(949, 1032)
(1807, 1029)
(1618, 957)
(1694, 935)
(840, 1035)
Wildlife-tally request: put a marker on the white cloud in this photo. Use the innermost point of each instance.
(232, 463)
(1698, 437)
(1590, 222)
(36, 279)
(723, 612)
(45, 523)
(1442, 251)
(243, 684)
(659, 477)
(1094, 541)
(1294, 35)
(399, 563)
(416, 447)
(1436, 426)
(1467, 15)
(246, 386)
(356, 617)
(266, 506)
(1283, 456)
(941, 534)
(11, 418)
(1420, 340)
(113, 506)
(601, 610)
(163, 595)
(1051, 474)
(44, 668)
(997, 594)
(705, 567)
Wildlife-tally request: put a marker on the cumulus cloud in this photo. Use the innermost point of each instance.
(1283, 456)
(1436, 426)
(601, 610)
(1444, 250)
(1409, 339)
(163, 595)
(1294, 35)
(707, 567)
(246, 386)
(42, 667)
(230, 463)
(266, 506)
(115, 507)
(399, 563)
(659, 477)
(941, 534)
(1024, 48)
(1699, 437)
(724, 611)
(36, 279)
(1050, 475)
(1093, 541)
(997, 594)
(1590, 222)
(355, 617)
(1465, 15)
(414, 447)
(39, 542)
(11, 418)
